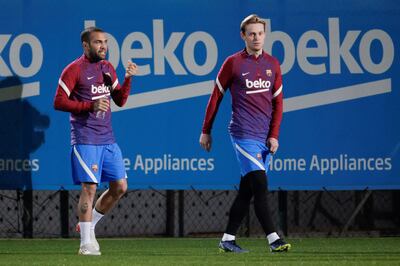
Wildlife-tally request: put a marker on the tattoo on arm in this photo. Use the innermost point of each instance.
(84, 207)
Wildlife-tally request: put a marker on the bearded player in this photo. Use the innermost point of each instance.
(85, 89)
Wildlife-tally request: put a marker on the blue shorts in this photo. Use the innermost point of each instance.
(97, 163)
(252, 155)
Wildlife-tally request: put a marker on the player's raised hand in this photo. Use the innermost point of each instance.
(101, 104)
(205, 141)
(272, 144)
(131, 69)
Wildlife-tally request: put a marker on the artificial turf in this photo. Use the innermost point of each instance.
(201, 251)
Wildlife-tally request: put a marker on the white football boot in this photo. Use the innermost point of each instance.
(88, 249)
(92, 237)
(94, 240)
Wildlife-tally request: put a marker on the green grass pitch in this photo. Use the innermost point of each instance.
(201, 251)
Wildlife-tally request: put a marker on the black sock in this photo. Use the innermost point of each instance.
(240, 206)
(261, 206)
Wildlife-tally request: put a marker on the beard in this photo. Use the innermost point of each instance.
(94, 56)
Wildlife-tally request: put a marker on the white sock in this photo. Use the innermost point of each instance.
(85, 232)
(272, 237)
(228, 237)
(96, 216)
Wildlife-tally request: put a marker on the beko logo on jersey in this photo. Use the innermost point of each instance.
(258, 84)
(100, 89)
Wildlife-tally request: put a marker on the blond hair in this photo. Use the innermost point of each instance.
(251, 19)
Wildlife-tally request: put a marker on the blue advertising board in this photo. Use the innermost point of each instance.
(340, 65)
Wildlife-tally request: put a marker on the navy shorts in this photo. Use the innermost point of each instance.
(97, 163)
(252, 155)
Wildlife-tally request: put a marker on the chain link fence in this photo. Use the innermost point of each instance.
(204, 213)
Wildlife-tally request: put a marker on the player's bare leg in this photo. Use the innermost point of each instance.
(111, 196)
(105, 203)
(86, 202)
(85, 218)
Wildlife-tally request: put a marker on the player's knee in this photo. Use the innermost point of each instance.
(245, 195)
(119, 189)
(123, 189)
(258, 183)
(89, 189)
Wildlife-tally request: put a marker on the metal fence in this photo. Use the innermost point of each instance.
(202, 213)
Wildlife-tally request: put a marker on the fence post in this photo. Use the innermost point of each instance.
(181, 211)
(282, 206)
(170, 223)
(27, 216)
(396, 207)
(64, 213)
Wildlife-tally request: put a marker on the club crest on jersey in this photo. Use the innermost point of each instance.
(268, 72)
(259, 156)
(95, 168)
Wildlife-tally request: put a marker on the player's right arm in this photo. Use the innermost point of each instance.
(66, 84)
(222, 83)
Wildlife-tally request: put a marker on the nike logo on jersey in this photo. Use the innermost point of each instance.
(89, 78)
(245, 74)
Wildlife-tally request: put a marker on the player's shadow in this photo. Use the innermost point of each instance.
(22, 130)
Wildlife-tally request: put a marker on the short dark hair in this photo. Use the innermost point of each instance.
(85, 34)
(251, 19)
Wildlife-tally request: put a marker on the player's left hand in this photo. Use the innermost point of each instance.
(205, 141)
(272, 144)
(131, 70)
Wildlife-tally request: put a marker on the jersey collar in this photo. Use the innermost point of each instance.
(245, 54)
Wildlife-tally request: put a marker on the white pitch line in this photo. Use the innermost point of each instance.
(337, 95)
(166, 95)
(19, 91)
